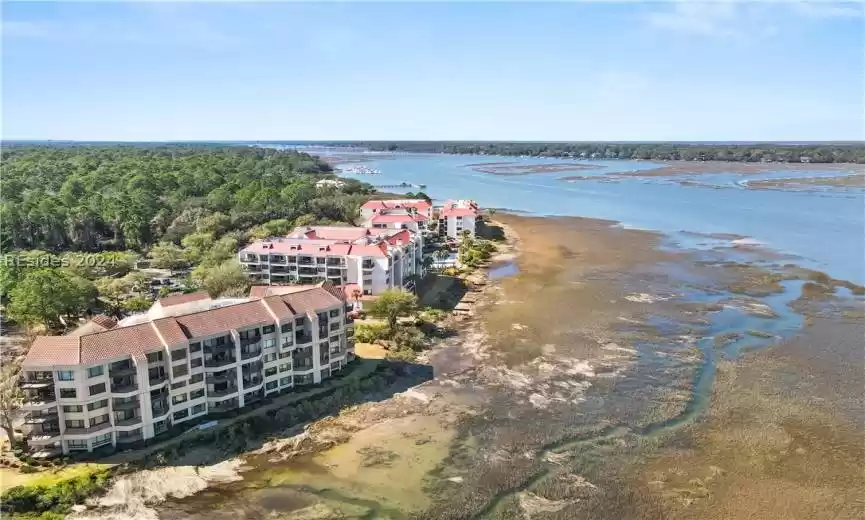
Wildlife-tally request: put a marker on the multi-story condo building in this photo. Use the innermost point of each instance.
(127, 384)
(457, 216)
(417, 206)
(372, 259)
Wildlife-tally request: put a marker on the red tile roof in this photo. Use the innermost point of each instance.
(389, 218)
(179, 299)
(420, 204)
(104, 321)
(53, 350)
(137, 340)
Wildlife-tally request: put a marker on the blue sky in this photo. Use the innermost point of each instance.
(494, 71)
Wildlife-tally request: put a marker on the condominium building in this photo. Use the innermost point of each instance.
(373, 259)
(457, 216)
(124, 385)
(417, 206)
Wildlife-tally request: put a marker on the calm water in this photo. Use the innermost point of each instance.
(825, 228)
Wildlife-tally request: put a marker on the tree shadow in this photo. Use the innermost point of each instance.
(490, 231)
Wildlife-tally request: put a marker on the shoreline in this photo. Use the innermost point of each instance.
(562, 335)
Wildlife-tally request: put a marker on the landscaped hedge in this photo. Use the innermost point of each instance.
(56, 498)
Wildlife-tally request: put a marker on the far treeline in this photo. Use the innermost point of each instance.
(758, 152)
(76, 220)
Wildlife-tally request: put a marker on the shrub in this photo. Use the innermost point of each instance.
(369, 332)
(26, 468)
(54, 498)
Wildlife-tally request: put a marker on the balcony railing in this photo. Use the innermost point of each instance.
(121, 371)
(308, 271)
(125, 405)
(228, 404)
(158, 380)
(91, 429)
(159, 411)
(335, 326)
(218, 362)
(249, 383)
(225, 391)
(40, 417)
(301, 339)
(250, 340)
(251, 353)
(218, 378)
(129, 422)
(43, 381)
(135, 437)
(124, 388)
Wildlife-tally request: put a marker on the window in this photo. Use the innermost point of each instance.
(72, 408)
(271, 385)
(195, 347)
(286, 327)
(283, 355)
(179, 371)
(268, 329)
(198, 394)
(298, 322)
(97, 405)
(197, 409)
(65, 375)
(268, 343)
(285, 367)
(249, 334)
(154, 357)
(197, 362)
(197, 378)
(99, 419)
(175, 386)
(177, 399)
(182, 414)
(74, 423)
(334, 313)
(215, 342)
(95, 371)
(177, 355)
(269, 357)
(97, 389)
(285, 381)
(334, 339)
(77, 444)
(270, 372)
(67, 393)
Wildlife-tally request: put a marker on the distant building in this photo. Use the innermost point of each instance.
(419, 206)
(457, 216)
(329, 183)
(124, 385)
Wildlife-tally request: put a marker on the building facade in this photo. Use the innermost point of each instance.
(126, 385)
(457, 216)
(373, 259)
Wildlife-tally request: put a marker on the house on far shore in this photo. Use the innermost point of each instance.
(457, 216)
(805, 159)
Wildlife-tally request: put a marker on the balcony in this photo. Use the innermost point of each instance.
(302, 339)
(124, 387)
(220, 361)
(253, 382)
(250, 340)
(277, 259)
(41, 417)
(159, 409)
(222, 406)
(302, 363)
(220, 377)
(251, 353)
(128, 422)
(228, 390)
(222, 347)
(88, 431)
(126, 369)
(39, 400)
(124, 404)
(252, 268)
(334, 273)
(41, 380)
(39, 437)
(334, 326)
(307, 271)
(132, 437)
(335, 262)
(158, 380)
(305, 261)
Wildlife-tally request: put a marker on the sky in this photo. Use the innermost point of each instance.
(568, 71)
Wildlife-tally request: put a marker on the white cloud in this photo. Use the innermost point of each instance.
(719, 19)
(822, 10)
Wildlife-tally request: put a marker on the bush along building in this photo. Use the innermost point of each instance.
(189, 358)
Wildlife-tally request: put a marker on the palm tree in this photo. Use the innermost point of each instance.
(356, 294)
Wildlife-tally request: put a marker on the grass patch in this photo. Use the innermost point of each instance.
(53, 494)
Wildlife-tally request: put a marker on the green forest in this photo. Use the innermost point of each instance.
(816, 153)
(77, 220)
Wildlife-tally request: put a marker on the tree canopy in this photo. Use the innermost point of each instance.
(392, 304)
(738, 152)
(94, 198)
